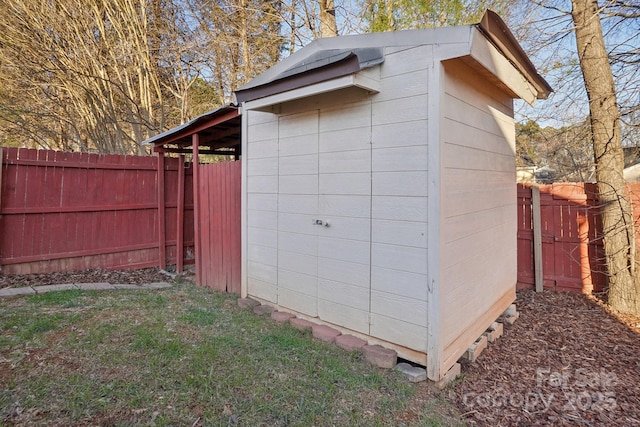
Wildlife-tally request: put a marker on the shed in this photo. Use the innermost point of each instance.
(379, 190)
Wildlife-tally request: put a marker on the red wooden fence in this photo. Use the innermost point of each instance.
(219, 217)
(70, 211)
(572, 251)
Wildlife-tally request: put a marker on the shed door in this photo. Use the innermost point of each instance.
(297, 210)
(344, 199)
(324, 219)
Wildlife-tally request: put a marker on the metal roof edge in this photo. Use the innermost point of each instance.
(497, 32)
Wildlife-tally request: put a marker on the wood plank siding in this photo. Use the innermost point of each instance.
(399, 205)
(479, 220)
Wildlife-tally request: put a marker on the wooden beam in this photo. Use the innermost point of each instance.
(537, 238)
(172, 150)
(162, 248)
(180, 217)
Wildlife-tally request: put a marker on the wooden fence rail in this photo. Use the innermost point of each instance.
(571, 237)
(70, 211)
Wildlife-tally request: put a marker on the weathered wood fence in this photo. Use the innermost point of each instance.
(570, 251)
(71, 211)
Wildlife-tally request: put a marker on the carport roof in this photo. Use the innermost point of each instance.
(217, 129)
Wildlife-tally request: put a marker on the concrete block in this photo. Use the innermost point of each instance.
(156, 285)
(448, 377)
(51, 288)
(247, 303)
(350, 343)
(324, 333)
(281, 316)
(494, 332)
(512, 319)
(510, 311)
(380, 356)
(263, 309)
(10, 292)
(301, 324)
(124, 286)
(413, 373)
(95, 286)
(475, 349)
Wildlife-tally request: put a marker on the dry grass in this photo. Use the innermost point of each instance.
(185, 356)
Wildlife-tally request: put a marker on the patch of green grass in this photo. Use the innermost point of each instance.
(157, 342)
(199, 316)
(181, 355)
(67, 298)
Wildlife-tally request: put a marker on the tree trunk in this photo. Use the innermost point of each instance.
(328, 25)
(615, 204)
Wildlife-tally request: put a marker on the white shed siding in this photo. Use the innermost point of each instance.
(344, 247)
(297, 236)
(414, 177)
(479, 221)
(399, 199)
(262, 205)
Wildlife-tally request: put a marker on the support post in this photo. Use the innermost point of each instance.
(537, 238)
(180, 217)
(162, 238)
(195, 138)
(1, 164)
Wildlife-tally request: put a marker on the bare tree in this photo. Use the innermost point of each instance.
(328, 25)
(617, 211)
(87, 71)
(388, 15)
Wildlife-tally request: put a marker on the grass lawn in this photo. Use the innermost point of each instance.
(186, 356)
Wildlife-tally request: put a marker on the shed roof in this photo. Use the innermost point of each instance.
(327, 58)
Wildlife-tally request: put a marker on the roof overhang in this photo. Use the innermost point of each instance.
(218, 130)
(357, 80)
(320, 67)
(496, 31)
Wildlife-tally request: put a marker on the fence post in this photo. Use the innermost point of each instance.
(537, 237)
(162, 239)
(1, 163)
(180, 216)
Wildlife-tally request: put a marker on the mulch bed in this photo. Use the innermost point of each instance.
(132, 277)
(567, 361)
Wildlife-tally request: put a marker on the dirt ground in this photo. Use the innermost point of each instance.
(567, 361)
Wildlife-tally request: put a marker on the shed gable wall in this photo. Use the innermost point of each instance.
(478, 212)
